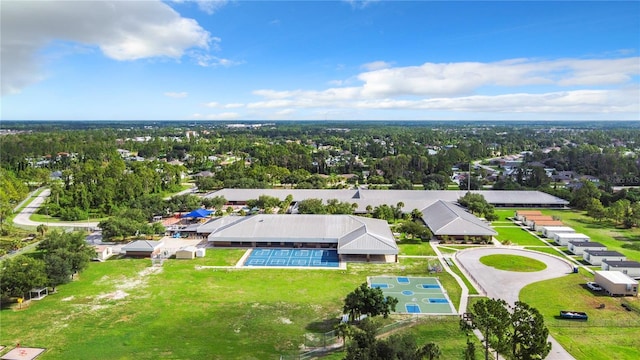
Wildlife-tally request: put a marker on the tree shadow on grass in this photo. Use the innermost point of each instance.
(324, 325)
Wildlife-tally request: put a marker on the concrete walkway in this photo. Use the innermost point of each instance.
(506, 285)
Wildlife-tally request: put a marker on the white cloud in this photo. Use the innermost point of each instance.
(208, 60)
(212, 104)
(285, 112)
(176, 95)
(233, 105)
(453, 79)
(376, 65)
(360, 4)
(562, 86)
(211, 6)
(122, 30)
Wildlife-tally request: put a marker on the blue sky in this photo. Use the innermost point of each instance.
(314, 60)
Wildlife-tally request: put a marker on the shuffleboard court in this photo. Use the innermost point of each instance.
(293, 258)
(416, 295)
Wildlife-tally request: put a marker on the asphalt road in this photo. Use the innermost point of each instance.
(506, 285)
(23, 217)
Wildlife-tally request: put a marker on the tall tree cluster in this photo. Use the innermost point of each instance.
(63, 255)
(519, 334)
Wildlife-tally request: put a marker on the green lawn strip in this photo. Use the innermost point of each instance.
(603, 232)
(472, 289)
(182, 312)
(46, 218)
(516, 236)
(220, 257)
(452, 248)
(513, 263)
(419, 249)
(610, 333)
(505, 214)
(545, 249)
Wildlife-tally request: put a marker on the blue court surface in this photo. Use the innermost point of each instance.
(416, 295)
(293, 258)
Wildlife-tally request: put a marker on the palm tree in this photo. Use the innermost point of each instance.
(42, 229)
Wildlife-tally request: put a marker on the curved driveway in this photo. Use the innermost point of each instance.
(23, 217)
(506, 285)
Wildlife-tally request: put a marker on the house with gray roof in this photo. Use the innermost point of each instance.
(447, 220)
(628, 267)
(352, 236)
(596, 257)
(578, 247)
(142, 248)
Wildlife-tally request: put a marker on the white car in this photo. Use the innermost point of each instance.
(594, 286)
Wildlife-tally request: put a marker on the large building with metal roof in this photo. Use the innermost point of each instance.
(412, 199)
(353, 236)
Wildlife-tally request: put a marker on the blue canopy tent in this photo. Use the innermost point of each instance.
(199, 213)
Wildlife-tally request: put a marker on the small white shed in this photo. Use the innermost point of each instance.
(564, 238)
(201, 252)
(103, 252)
(187, 252)
(616, 283)
(578, 247)
(551, 231)
(628, 267)
(595, 257)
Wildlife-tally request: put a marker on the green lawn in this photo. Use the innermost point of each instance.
(610, 333)
(544, 249)
(189, 309)
(513, 263)
(516, 236)
(418, 249)
(604, 232)
(504, 214)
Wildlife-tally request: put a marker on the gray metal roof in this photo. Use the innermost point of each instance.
(622, 263)
(604, 253)
(142, 245)
(413, 199)
(444, 218)
(586, 244)
(353, 234)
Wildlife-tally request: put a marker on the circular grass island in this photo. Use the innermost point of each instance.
(513, 263)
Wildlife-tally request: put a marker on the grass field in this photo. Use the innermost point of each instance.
(417, 249)
(124, 309)
(516, 236)
(513, 263)
(610, 333)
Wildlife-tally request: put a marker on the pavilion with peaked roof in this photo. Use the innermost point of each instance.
(354, 237)
(446, 219)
